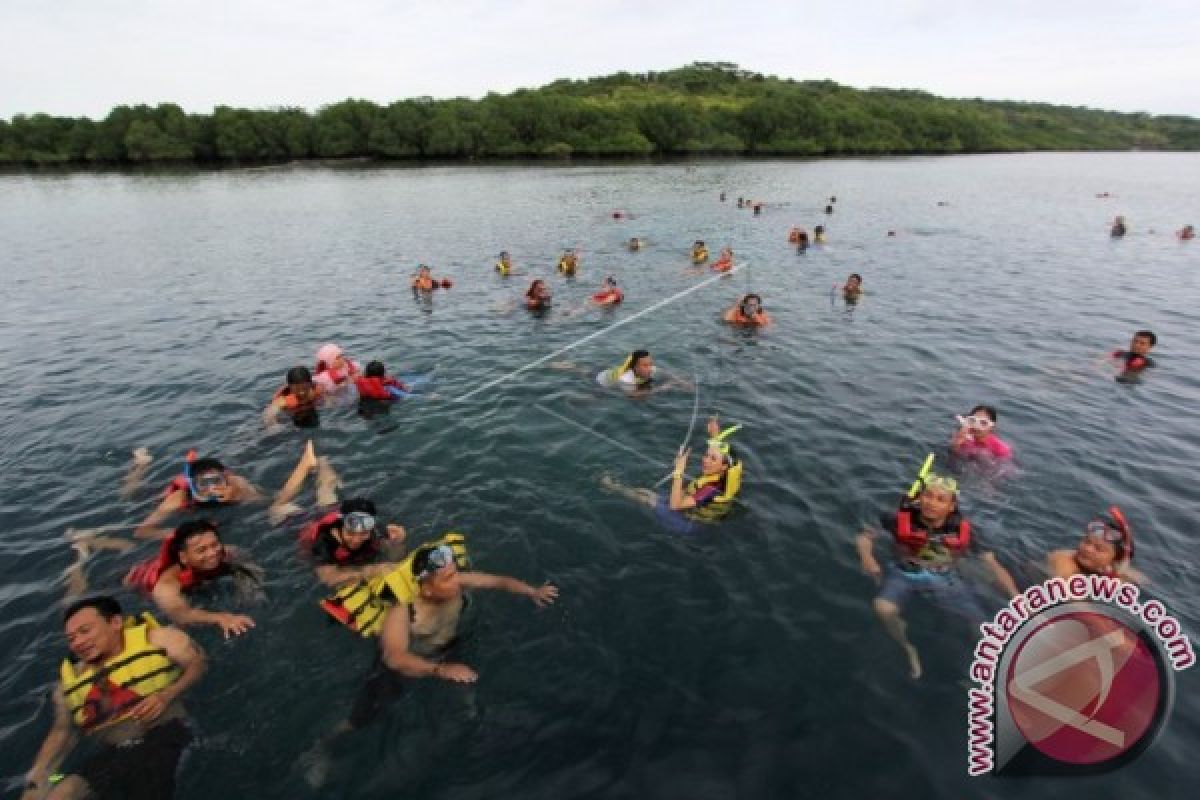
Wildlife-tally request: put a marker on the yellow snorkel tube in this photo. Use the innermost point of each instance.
(718, 442)
(919, 483)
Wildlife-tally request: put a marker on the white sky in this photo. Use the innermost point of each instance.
(81, 57)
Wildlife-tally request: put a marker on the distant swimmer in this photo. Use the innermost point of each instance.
(976, 436)
(504, 265)
(1105, 549)
(722, 197)
(852, 289)
(829, 209)
(740, 202)
(1103, 195)
(610, 294)
(819, 234)
(377, 390)
(1118, 228)
(699, 252)
(794, 234)
(832, 200)
(1133, 362)
(724, 262)
(424, 281)
(121, 689)
(618, 214)
(748, 312)
(758, 207)
(688, 505)
(891, 233)
(942, 203)
(802, 242)
(191, 558)
(930, 537)
(334, 372)
(635, 244)
(568, 262)
(537, 296)
(637, 374)
(1187, 233)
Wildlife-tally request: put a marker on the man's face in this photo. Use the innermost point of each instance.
(644, 368)
(444, 584)
(936, 503)
(1095, 554)
(201, 552)
(92, 638)
(1140, 345)
(213, 484)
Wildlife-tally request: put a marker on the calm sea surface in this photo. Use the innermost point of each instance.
(161, 310)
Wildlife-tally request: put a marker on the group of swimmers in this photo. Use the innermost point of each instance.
(124, 682)
(1118, 229)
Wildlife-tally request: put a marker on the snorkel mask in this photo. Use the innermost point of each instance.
(359, 522)
(719, 445)
(1114, 529)
(976, 422)
(439, 557)
(203, 487)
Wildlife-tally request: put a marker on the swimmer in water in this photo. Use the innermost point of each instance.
(1187, 233)
(299, 399)
(930, 538)
(802, 243)
(120, 688)
(377, 391)
(724, 262)
(852, 289)
(609, 294)
(334, 372)
(829, 209)
(1133, 362)
(708, 498)
(1118, 228)
(537, 297)
(748, 312)
(637, 375)
(699, 252)
(504, 265)
(424, 281)
(976, 436)
(635, 244)
(819, 234)
(1106, 548)
(568, 262)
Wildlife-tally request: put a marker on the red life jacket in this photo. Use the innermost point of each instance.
(322, 528)
(144, 576)
(609, 296)
(376, 388)
(917, 538)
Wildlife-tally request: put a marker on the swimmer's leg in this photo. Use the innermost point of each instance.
(894, 624)
(75, 576)
(283, 505)
(328, 483)
(646, 497)
(137, 471)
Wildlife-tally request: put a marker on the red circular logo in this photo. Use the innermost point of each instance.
(1083, 688)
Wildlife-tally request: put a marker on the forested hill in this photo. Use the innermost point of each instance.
(703, 108)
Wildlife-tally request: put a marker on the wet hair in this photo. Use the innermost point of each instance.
(819, 229)
(107, 607)
(856, 275)
(189, 530)
(1147, 335)
(298, 375)
(202, 465)
(352, 504)
(420, 560)
(636, 356)
(536, 283)
(989, 410)
(375, 369)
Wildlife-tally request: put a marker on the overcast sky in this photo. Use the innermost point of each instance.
(82, 57)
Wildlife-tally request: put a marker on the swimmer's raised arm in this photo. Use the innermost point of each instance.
(543, 595)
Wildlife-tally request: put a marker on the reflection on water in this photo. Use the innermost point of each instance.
(163, 310)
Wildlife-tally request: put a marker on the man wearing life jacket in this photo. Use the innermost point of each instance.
(299, 399)
(377, 390)
(568, 262)
(852, 289)
(699, 252)
(930, 537)
(748, 312)
(347, 545)
(504, 266)
(203, 483)
(122, 690)
(1136, 359)
(610, 294)
(189, 558)
(1105, 549)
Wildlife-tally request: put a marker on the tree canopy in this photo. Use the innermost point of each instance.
(704, 108)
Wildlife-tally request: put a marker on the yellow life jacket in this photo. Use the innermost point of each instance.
(97, 697)
(699, 255)
(503, 268)
(731, 484)
(567, 266)
(361, 606)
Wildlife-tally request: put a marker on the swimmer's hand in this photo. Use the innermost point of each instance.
(872, 568)
(395, 533)
(544, 595)
(151, 708)
(141, 456)
(457, 673)
(681, 461)
(232, 624)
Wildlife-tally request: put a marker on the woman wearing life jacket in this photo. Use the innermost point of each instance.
(1106, 548)
(929, 537)
(190, 557)
(348, 544)
(298, 399)
(121, 689)
(609, 294)
(334, 372)
(537, 297)
(707, 498)
(748, 312)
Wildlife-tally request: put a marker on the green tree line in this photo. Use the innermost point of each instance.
(705, 108)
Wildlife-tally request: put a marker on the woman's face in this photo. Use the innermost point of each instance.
(712, 462)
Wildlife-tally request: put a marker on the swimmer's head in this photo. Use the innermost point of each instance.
(538, 290)
(819, 229)
(642, 364)
(939, 496)
(300, 384)
(1106, 541)
(610, 282)
(436, 572)
(375, 369)
(423, 271)
(719, 455)
(208, 480)
(751, 304)
(329, 356)
(94, 628)
(197, 545)
(853, 282)
(1142, 342)
(358, 523)
(504, 255)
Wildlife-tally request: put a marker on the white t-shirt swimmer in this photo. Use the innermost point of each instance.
(626, 380)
